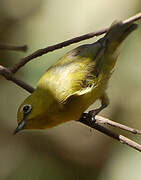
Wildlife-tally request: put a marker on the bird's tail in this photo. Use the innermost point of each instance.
(111, 42)
(117, 33)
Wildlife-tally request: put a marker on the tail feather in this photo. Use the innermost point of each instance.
(118, 32)
(110, 44)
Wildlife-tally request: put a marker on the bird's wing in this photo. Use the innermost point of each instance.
(77, 72)
(73, 74)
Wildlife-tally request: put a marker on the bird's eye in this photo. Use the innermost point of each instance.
(26, 108)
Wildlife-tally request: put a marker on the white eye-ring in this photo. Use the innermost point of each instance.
(26, 108)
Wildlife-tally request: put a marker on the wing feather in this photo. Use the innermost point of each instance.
(73, 74)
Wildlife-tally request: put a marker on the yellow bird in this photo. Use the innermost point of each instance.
(75, 82)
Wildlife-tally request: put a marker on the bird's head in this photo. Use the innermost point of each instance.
(33, 112)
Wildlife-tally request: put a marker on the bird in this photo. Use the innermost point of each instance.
(74, 82)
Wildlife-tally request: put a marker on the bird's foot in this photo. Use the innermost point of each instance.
(84, 117)
(90, 116)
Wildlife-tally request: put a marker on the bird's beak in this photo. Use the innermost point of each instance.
(20, 126)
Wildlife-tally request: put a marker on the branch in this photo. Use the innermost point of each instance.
(5, 72)
(43, 51)
(120, 138)
(13, 47)
(103, 120)
(133, 18)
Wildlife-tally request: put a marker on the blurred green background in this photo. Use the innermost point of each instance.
(69, 151)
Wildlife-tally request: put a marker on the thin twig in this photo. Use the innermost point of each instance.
(120, 138)
(5, 72)
(43, 51)
(103, 120)
(133, 18)
(13, 47)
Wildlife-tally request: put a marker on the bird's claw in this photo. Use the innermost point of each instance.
(89, 116)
